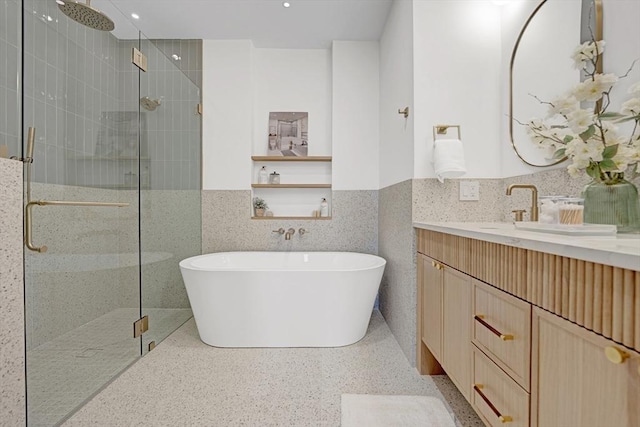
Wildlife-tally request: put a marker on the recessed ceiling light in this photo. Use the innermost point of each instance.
(135, 16)
(176, 57)
(286, 4)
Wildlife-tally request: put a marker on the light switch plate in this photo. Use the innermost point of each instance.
(469, 190)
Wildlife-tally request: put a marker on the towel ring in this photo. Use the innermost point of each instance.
(442, 130)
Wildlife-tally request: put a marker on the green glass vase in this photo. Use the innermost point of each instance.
(614, 202)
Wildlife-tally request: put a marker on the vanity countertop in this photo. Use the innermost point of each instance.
(621, 250)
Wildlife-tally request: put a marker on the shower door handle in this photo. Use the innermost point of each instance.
(28, 220)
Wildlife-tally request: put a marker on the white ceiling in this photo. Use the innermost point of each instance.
(307, 24)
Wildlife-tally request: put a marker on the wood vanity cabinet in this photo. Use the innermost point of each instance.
(430, 292)
(574, 382)
(446, 326)
(509, 327)
(456, 328)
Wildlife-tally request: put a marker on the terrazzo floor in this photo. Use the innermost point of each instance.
(184, 382)
(64, 372)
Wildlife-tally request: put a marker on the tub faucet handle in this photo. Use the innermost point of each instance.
(279, 231)
(302, 231)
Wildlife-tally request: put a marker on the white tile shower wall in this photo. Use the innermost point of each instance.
(189, 56)
(70, 78)
(82, 95)
(12, 363)
(226, 225)
(10, 46)
(171, 139)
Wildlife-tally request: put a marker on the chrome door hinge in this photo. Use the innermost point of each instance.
(138, 59)
(140, 326)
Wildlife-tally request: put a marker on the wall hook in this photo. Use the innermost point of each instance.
(405, 112)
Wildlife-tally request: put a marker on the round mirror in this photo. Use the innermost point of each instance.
(542, 68)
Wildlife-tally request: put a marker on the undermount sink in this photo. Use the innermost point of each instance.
(497, 226)
(569, 229)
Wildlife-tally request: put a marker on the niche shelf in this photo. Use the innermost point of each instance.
(304, 182)
(292, 217)
(291, 159)
(290, 185)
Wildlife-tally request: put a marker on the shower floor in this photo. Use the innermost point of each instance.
(185, 382)
(64, 373)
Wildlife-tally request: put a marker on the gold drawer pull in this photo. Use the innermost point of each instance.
(436, 265)
(502, 418)
(504, 337)
(615, 355)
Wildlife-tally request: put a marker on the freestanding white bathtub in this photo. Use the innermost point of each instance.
(282, 299)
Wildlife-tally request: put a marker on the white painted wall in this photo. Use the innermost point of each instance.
(339, 90)
(457, 52)
(293, 80)
(355, 112)
(396, 92)
(227, 118)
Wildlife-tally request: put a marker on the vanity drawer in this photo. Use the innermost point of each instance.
(502, 329)
(495, 396)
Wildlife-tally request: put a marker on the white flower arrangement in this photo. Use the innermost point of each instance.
(589, 136)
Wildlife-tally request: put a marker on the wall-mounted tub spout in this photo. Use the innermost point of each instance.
(290, 232)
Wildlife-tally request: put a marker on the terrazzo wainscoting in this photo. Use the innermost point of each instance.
(12, 354)
(226, 225)
(397, 246)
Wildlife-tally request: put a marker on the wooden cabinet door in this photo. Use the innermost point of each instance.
(456, 329)
(431, 310)
(573, 382)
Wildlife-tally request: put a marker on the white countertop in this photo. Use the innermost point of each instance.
(621, 250)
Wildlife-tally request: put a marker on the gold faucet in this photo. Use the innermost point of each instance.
(534, 198)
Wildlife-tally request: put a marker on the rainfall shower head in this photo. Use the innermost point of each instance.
(148, 103)
(86, 15)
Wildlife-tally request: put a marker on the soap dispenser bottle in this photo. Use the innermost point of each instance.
(324, 207)
(263, 176)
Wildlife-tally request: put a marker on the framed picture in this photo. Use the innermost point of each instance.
(288, 134)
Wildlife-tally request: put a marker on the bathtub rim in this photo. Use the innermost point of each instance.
(185, 262)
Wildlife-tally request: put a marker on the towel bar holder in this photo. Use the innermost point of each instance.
(28, 218)
(442, 130)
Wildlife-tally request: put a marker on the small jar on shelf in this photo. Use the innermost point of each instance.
(274, 178)
(263, 176)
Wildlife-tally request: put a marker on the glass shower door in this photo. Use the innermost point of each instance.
(80, 93)
(170, 212)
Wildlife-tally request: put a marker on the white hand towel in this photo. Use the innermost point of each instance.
(448, 159)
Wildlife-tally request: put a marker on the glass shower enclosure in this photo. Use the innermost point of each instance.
(112, 197)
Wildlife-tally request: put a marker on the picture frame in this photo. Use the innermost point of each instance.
(288, 134)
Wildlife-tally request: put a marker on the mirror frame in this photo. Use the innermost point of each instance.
(597, 35)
